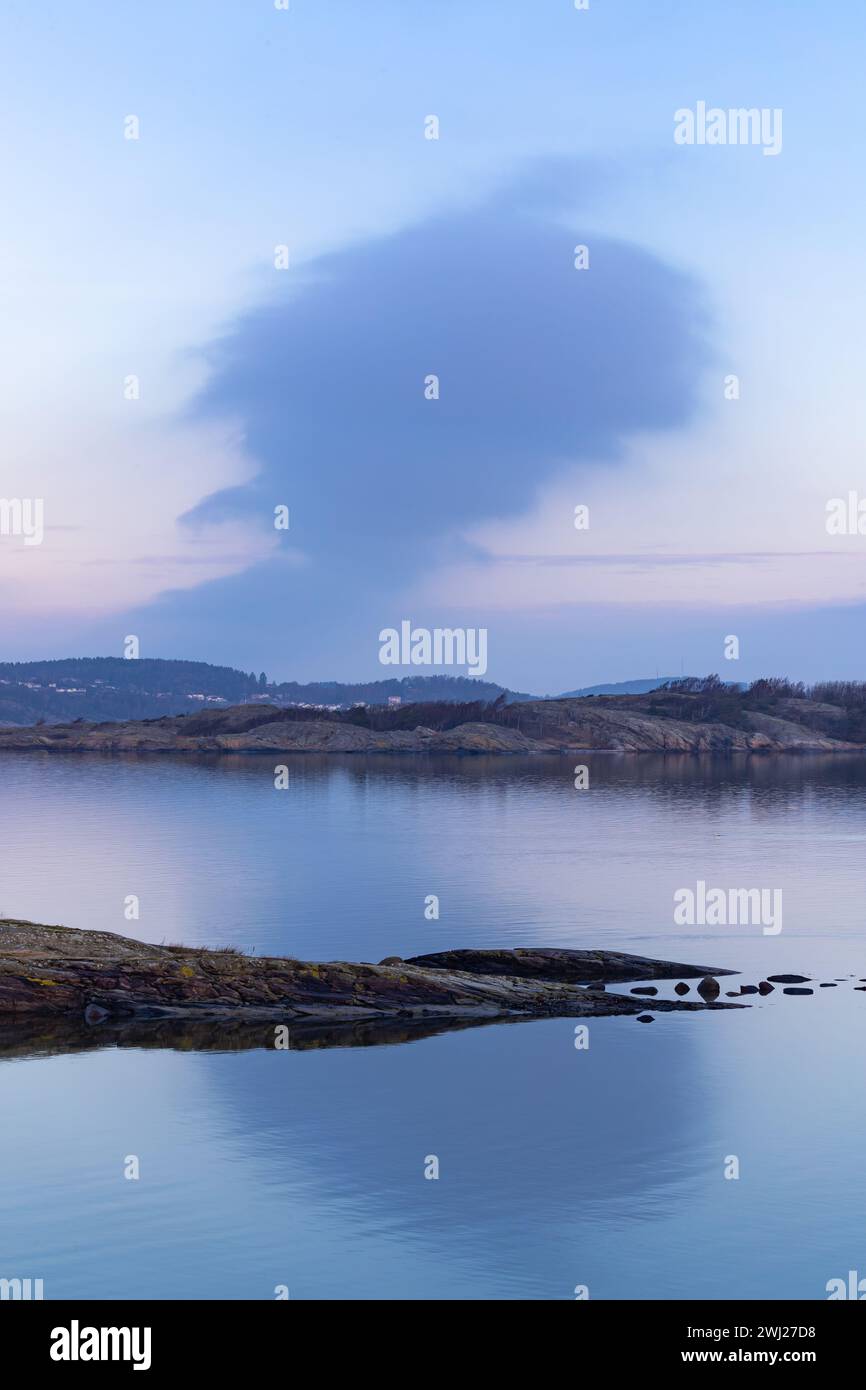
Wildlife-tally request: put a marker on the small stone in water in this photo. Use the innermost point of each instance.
(709, 988)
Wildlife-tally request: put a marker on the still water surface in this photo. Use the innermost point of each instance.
(558, 1167)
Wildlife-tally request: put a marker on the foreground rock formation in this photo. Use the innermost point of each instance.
(59, 974)
(626, 725)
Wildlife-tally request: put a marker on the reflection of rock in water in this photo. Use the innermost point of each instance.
(36, 1037)
(32, 1037)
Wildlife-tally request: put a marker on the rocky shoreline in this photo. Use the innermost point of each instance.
(603, 724)
(56, 977)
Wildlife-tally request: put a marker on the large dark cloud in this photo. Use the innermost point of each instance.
(540, 366)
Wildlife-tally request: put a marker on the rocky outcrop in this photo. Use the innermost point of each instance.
(102, 979)
(535, 726)
(171, 735)
(624, 726)
(556, 963)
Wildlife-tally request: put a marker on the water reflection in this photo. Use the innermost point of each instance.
(558, 1166)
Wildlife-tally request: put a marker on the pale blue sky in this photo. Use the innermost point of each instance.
(261, 127)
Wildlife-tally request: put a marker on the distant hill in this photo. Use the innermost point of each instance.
(640, 687)
(112, 688)
(409, 690)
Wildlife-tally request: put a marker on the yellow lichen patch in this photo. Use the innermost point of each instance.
(34, 980)
(187, 970)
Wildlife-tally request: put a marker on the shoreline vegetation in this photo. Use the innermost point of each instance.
(687, 716)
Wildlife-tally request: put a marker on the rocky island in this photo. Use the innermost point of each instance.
(688, 717)
(98, 979)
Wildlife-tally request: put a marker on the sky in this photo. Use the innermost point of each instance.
(241, 308)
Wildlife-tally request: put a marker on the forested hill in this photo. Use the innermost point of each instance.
(100, 688)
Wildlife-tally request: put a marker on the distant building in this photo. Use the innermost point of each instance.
(395, 699)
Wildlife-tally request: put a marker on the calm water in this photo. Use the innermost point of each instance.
(558, 1167)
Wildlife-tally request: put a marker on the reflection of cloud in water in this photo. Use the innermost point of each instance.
(527, 1129)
